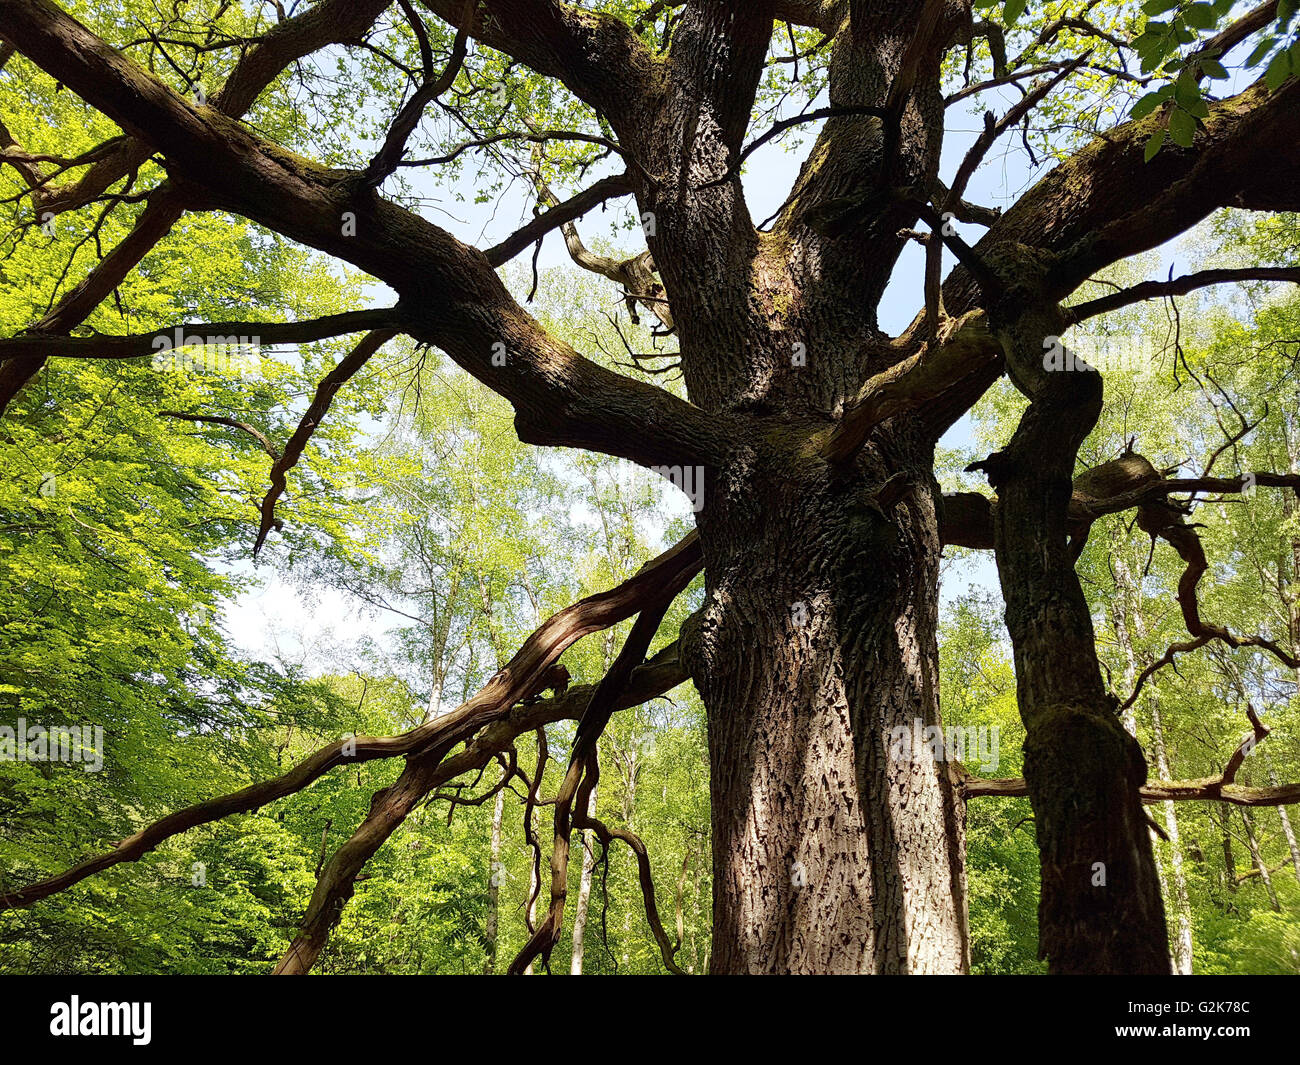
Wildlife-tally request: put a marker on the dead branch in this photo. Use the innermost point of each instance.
(320, 404)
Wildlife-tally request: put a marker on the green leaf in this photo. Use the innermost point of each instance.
(1154, 143)
(1212, 68)
(1186, 90)
(1146, 42)
(1182, 127)
(1012, 10)
(1200, 16)
(1146, 105)
(1159, 7)
(1279, 69)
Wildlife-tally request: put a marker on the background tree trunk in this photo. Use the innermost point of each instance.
(584, 891)
(1126, 613)
(492, 924)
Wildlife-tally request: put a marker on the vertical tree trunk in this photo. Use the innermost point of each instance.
(533, 892)
(1182, 907)
(1252, 841)
(630, 766)
(1290, 507)
(490, 933)
(1100, 908)
(1287, 830)
(1290, 501)
(1229, 862)
(818, 638)
(584, 891)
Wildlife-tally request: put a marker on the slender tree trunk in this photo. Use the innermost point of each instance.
(1287, 830)
(1182, 955)
(490, 933)
(584, 891)
(1120, 609)
(1229, 862)
(1252, 841)
(1291, 508)
(630, 764)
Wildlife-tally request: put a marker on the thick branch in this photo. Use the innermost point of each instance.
(328, 22)
(1107, 203)
(911, 383)
(596, 55)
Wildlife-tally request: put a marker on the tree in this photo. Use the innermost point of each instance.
(811, 431)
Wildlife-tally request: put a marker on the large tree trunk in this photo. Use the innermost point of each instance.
(818, 639)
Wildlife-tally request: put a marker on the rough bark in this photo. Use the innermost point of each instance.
(817, 639)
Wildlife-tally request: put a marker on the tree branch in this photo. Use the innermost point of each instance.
(1177, 286)
(325, 391)
(453, 296)
(216, 419)
(1210, 789)
(327, 22)
(485, 710)
(1222, 788)
(559, 215)
(137, 345)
